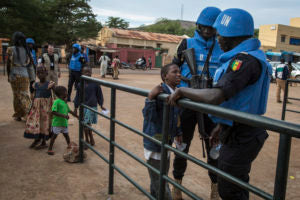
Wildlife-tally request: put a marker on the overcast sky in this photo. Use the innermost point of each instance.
(138, 12)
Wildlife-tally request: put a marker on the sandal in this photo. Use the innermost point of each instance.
(50, 152)
(34, 144)
(18, 119)
(41, 146)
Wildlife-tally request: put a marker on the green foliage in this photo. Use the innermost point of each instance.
(54, 21)
(167, 26)
(116, 22)
(256, 32)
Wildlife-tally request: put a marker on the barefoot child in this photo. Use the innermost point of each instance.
(60, 110)
(37, 124)
(93, 96)
(153, 117)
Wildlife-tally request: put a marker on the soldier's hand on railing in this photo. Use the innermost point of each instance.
(174, 97)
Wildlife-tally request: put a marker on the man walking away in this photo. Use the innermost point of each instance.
(281, 74)
(104, 60)
(115, 65)
(150, 62)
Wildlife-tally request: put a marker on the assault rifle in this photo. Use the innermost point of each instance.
(204, 80)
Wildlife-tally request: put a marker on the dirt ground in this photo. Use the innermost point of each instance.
(30, 174)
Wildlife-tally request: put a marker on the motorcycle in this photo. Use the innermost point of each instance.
(110, 70)
(139, 64)
(125, 65)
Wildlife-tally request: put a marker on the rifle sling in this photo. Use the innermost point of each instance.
(206, 64)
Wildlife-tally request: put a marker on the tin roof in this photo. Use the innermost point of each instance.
(140, 35)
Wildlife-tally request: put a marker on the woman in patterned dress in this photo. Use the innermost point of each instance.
(18, 76)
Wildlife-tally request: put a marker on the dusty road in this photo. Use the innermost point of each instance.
(30, 174)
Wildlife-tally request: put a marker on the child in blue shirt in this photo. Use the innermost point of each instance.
(153, 117)
(93, 96)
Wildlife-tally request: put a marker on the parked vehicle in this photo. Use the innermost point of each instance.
(139, 64)
(125, 65)
(294, 74)
(110, 70)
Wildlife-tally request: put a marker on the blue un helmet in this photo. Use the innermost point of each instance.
(208, 16)
(77, 46)
(234, 22)
(30, 41)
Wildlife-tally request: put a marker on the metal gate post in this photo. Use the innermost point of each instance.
(81, 100)
(283, 157)
(164, 152)
(112, 139)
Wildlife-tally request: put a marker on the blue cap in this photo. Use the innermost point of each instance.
(77, 46)
(234, 22)
(208, 16)
(30, 40)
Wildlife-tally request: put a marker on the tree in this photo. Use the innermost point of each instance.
(19, 16)
(73, 21)
(56, 21)
(256, 32)
(116, 22)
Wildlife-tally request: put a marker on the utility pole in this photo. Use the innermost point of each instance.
(182, 7)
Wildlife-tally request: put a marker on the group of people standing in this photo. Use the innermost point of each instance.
(46, 110)
(22, 65)
(236, 76)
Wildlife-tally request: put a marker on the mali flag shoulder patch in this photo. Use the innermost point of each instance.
(236, 65)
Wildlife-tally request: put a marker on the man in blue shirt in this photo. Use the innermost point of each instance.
(203, 42)
(281, 74)
(76, 64)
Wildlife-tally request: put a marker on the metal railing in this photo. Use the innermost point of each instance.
(286, 130)
(286, 98)
(284, 145)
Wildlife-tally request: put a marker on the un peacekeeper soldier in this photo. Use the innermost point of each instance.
(75, 67)
(241, 83)
(204, 39)
(31, 45)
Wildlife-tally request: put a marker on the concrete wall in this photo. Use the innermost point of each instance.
(295, 22)
(106, 36)
(130, 55)
(270, 37)
(134, 43)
